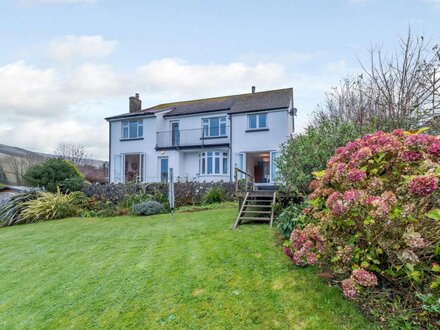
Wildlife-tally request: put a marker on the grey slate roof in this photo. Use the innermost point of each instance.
(232, 104)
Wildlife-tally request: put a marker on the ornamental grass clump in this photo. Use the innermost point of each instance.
(378, 207)
(50, 206)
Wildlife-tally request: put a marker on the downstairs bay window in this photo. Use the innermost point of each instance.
(213, 163)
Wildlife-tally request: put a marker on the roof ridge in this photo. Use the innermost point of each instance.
(162, 105)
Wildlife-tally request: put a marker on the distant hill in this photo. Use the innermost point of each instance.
(15, 161)
(20, 152)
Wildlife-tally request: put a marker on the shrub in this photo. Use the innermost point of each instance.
(290, 218)
(214, 195)
(50, 206)
(72, 184)
(378, 206)
(148, 208)
(308, 152)
(131, 200)
(54, 174)
(10, 210)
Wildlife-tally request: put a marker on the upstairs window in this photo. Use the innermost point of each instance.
(257, 121)
(132, 129)
(214, 127)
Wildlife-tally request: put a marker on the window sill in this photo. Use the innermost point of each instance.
(132, 139)
(256, 130)
(210, 175)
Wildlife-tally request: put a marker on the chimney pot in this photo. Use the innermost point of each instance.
(253, 89)
(135, 104)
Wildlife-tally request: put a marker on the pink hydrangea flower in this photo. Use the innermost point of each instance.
(349, 288)
(419, 140)
(435, 149)
(287, 252)
(413, 239)
(356, 175)
(312, 259)
(411, 156)
(339, 208)
(398, 132)
(332, 199)
(361, 155)
(423, 186)
(351, 195)
(364, 277)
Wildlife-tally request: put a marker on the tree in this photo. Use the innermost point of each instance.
(18, 165)
(398, 91)
(55, 173)
(77, 154)
(308, 152)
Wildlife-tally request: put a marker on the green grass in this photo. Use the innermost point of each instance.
(145, 272)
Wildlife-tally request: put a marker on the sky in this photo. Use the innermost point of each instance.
(65, 65)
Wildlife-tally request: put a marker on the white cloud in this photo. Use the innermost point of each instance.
(179, 78)
(87, 47)
(28, 90)
(43, 107)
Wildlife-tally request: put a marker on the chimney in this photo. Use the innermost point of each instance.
(253, 89)
(135, 104)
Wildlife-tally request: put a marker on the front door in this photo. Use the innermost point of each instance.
(163, 165)
(175, 136)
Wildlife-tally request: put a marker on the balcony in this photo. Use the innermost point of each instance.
(190, 138)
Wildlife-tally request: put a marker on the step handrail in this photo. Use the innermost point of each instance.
(248, 177)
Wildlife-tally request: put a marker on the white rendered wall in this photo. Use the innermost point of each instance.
(266, 140)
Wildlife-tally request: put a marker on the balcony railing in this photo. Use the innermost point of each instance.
(190, 138)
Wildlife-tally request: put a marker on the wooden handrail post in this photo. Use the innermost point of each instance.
(236, 179)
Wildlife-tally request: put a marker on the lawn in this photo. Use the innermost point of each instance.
(146, 272)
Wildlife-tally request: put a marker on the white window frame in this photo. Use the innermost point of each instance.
(206, 123)
(215, 155)
(257, 115)
(119, 167)
(125, 126)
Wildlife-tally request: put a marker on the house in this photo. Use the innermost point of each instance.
(201, 140)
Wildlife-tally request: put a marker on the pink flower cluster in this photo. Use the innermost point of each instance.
(306, 244)
(359, 277)
(414, 239)
(435, 149)
(364, 278)
(349, 288)
(412, 156)
(381, 205)
(423, 186)
(420, 140)
(356, 175)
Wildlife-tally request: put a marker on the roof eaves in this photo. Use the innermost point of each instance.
(192, 113)
(257, 110)
(130, 115)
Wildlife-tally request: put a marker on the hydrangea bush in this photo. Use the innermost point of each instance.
(377, 204)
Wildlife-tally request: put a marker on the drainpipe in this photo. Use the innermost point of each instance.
(230, 148)
(109, 149)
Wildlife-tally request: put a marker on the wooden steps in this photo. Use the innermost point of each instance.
(256, 206)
